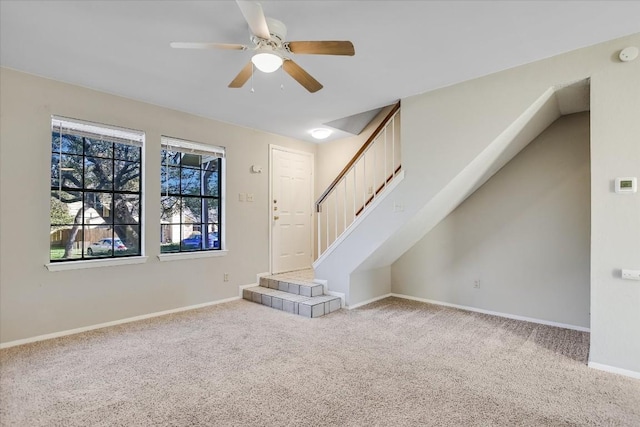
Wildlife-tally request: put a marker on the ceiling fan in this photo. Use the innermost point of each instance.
(268, 41)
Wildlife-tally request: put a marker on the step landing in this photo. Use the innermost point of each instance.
(293, 292)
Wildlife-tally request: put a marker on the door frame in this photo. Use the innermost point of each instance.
(273, 147)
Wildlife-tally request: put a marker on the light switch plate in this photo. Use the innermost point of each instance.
(631, 274)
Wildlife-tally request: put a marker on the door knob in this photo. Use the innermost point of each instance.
(275, 218)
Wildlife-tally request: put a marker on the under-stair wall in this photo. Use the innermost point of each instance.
(454, 139)
(523, 236)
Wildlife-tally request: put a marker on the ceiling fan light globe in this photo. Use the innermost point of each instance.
(266, 62)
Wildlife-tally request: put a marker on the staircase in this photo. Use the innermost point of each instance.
(364, 180)
(374, 170)
(293, 292)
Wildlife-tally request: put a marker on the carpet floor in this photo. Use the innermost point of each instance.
(393, 362)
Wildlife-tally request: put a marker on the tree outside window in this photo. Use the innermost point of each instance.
(191, 196)
(96, 191)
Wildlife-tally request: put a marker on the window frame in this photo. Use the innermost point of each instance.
(115, 138)
(180, 251)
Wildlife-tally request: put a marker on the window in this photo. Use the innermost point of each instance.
(96, 191)
(191, 199)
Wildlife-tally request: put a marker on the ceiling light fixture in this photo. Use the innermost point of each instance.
(267, 62)
(321, 133)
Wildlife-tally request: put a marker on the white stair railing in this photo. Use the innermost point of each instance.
(361, 182)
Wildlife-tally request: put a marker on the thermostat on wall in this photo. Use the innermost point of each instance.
(626, 185)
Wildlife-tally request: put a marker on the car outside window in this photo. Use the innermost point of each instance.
(96, 191)
(191, 200)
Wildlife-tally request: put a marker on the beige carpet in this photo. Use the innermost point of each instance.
(392, 363)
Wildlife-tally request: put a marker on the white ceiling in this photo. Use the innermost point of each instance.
(402, 48)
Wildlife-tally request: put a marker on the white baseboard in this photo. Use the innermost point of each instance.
(113, 323)
(369, 301)
(494, 313)
(614, 370)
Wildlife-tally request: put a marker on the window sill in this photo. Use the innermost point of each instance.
(192, 255)
(77, 265)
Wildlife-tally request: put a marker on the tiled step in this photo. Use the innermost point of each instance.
(292, 286)
(308, 306)
(319, 306)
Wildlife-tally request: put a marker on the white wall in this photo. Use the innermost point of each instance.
(35, 301)
(448, 131)
(370, 282)
(615, 218)
(525, 234)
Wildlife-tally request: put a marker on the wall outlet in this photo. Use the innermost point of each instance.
(226, 277)
(476, 284)
(249, 197)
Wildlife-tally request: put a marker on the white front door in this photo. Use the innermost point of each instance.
(291, 210)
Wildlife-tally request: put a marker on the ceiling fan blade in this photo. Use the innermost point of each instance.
(253, 14)
(242, 76)
(195, 45)
(301, 76)
(333, 47)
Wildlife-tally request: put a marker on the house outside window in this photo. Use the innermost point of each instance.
(191, 200)
(96, 191)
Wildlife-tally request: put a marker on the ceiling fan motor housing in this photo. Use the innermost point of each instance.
(278, 32)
